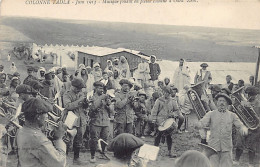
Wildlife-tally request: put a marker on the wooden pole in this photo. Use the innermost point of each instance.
(257, 66)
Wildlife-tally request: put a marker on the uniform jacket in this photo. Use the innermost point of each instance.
(71, 103)
(124, 111)
(99, 114)
(28, 79)
(220, 124)
(155, 71)
(164, 108)
(36, 150)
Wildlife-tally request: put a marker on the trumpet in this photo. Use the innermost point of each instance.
(50, 134)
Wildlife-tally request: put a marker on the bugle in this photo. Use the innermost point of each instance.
(246, 114)
(50, 134)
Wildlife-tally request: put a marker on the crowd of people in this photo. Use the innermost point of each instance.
(121, 110)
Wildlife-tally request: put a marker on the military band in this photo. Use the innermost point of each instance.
(118, 107)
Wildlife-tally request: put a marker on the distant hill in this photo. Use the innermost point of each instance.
(166, 42)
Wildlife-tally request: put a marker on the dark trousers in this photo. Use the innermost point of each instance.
(78, 139)
(180, 121)
(168, 140)
(140, 125)
(97, 132)
(124, 128)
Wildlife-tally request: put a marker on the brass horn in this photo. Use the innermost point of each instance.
(207, 150)
(246, 114)
(194, 95)
(55, 118)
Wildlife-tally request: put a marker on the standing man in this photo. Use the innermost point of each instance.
(99, 118)
(155, 69)
(31, 75)
(73, 101)
(164, 108)
(124, 116)
(181, 75)
(203, 75)
(251, 142)
(220, 122)
(34, 148)
(229, 84)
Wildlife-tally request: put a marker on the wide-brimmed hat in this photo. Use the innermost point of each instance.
(228, 99)
(204, 65)
(125, 81)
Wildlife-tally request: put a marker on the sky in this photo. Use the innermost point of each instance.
(236, 14)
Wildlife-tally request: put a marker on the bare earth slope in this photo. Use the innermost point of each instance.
(167, 42)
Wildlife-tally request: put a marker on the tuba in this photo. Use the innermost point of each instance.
(194, 95)
(246, 114)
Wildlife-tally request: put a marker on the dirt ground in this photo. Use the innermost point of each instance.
(181, 143)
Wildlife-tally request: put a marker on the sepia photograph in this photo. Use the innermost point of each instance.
(129, 83)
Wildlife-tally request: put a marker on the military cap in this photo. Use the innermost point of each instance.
(78, 83)
(124, 143)
(23, 88)
(98, 84)
(215, 88)
(204, 65)
(252, 90)
(125, 81)
(228, 99)
(35, 106)
(167, 89)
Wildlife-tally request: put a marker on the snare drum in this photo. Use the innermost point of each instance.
(168, 126)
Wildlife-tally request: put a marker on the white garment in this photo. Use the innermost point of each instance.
(181, 77)
(89, 83)
(143, 71)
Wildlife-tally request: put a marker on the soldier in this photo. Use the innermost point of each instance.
(30, 72)
(25, 93)
(164, 108)
(99, 118)
(74, 100)
(141, 113)
(124, 117)
(34, 148)
(220, 122)
(251, 142)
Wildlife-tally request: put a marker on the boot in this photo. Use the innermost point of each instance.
(76, 160)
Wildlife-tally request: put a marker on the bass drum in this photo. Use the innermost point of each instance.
(168, 126)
